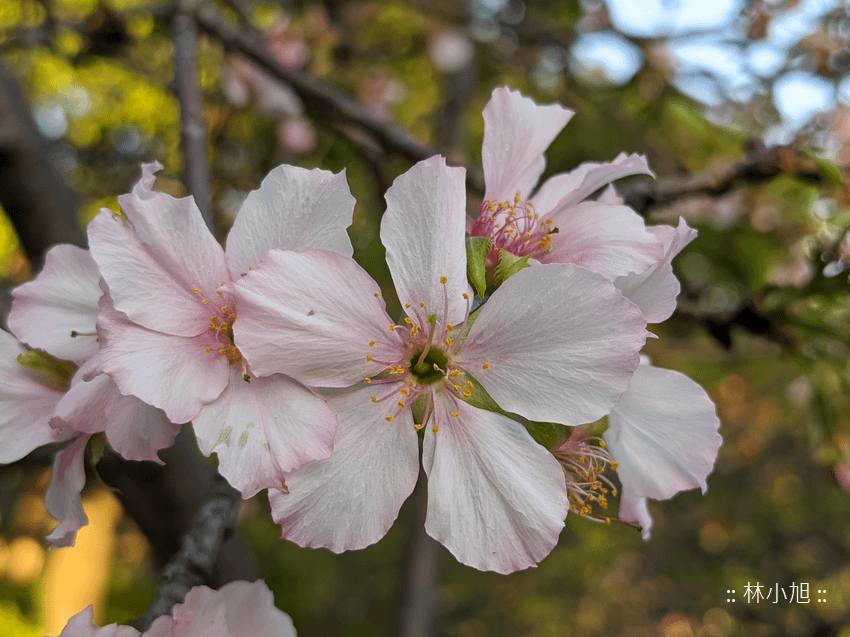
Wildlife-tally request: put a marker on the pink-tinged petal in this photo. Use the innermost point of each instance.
(82, 625)
(311, 316)
(611, 197)
(133, 428)
(153, 256)
(263, 429)
(26, 405)
(610, 240)
(60, 302)
(567, 189)
(517, 132)
(655, 290)
(634, 510)
(294, 209)
(62, 498)
(351, 500)
(172, 373)
(664, 434)
(559, 343)
(238, 609)
(496, 499)
(423, 230)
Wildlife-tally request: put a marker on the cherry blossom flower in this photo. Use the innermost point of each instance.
(559, 225)
(165, 325)
(238, 609)
(555, 343)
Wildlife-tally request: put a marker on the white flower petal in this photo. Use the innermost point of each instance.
(496, 499)
(62, 498)
(133, 428)
(311, 316)
(610, 240)
(153, 256)
(560, 344)
(265, 428)
(655, 290)
(82, 625)
(567, 189)
(351, 500)
(664, 434)
(294, 209)
(60, 301)
(26, 405)
(423, 230)
(517, 132)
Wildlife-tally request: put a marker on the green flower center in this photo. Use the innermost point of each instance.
(431, 369)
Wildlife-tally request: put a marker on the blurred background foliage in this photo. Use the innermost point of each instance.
(763, 319)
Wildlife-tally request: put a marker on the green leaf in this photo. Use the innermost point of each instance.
(509, 264)
(476, 262)
(55, 371)
(96, 445)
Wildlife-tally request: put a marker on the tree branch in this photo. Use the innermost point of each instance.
(321, 99)
(213, 523)
(758, 165)
(193, 130)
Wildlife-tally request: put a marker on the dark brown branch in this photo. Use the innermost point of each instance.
(193, 130)
(37, 200)
(759, 165)
(321, 99)
(213, 523)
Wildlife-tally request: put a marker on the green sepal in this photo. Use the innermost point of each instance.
(97, 443)
(509, 264)
(477, 249)
(55, 371)
(548, 434)
(481, 399)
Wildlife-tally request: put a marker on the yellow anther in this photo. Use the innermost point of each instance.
(367, 380)
(231, 316)
(404, 392)
(469, 384)
(517, 197)
(448, 342)
(207, 350)
(204, 301)
(220, 293)
(422, 305)
(399, 370)
(457, 387)
(213, 319)
(407, 305)
(454, 374)
(455, 414)
(443, 280)
(392, 328)
(602, 444)
(410, 383)
(371, 343)
(614, 465)
(417, 427)
(369, 357)
(485, 366)
(449, 328)
(222, 351)
(250, 267)
(467, 393)
(401, 404)
(414, 330)
(437, 368)
(224, 310)
(390, 418)
(196, 291)
(377, 296)
(374, 399)
(436, 428)
(407, 320)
